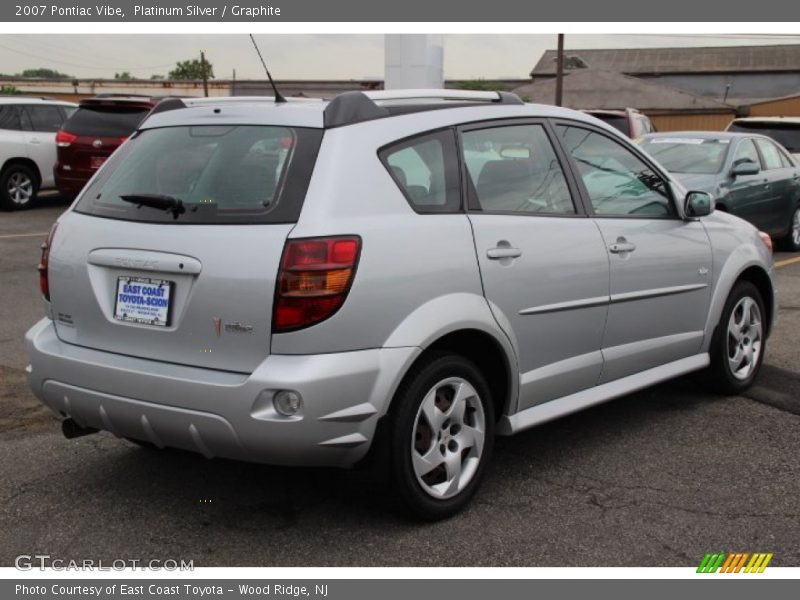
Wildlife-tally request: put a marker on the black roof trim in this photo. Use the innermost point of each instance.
(168, 104)
(349, 108)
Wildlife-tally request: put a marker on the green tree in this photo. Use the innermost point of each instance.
(44, 74)
(9, 90)
(125, 76)
(191, 69)
(156, 77)
(481, 85)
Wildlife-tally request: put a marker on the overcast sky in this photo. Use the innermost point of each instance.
(329, 56)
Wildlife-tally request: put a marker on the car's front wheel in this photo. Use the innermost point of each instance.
(738, 345)
(18, 187)
(442, 436)
(791, 242)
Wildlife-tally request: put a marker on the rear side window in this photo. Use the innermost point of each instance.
(10, 117)
(45, 118)
(514, 169)
(772, 157)
(221, 174)
(619, 122)
(102, 121)
(425, 168)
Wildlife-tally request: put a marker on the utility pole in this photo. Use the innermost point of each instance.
(205, 72)
(560, 71)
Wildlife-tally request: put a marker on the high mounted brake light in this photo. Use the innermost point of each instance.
(314, 279)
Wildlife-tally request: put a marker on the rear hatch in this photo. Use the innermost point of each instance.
(99, 127)
(184, 270)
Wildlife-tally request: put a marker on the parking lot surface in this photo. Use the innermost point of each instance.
(657, 478)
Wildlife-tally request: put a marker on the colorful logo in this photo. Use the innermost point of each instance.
(735, 562)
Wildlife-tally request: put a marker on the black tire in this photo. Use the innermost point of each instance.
(15, 178)
(791, 241)
(725, 381)
(443, 372)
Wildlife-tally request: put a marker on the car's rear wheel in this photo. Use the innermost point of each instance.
(737, 349)
(442, 436)
(18, 187)
(791, 241)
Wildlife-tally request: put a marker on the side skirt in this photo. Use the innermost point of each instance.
(541, 413)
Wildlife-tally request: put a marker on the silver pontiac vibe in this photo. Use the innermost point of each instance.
(397, 276)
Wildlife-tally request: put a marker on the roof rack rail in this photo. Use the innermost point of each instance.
(355, 107)
(169, 103)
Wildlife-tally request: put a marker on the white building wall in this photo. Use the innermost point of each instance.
(413, 61)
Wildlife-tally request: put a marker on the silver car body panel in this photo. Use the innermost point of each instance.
(577, 324)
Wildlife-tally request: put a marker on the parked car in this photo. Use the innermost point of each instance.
(28, 147)
(629, 121)
(784, 130)
(90, 135)
(389, 278)
(748, 174)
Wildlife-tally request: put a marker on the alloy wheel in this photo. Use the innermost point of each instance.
(448, 437)
(745, 334)
(20, 188)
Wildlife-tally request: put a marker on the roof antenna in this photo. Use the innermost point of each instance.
(278, 97)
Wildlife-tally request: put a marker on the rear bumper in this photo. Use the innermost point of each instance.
(222, 414)
(68, 185)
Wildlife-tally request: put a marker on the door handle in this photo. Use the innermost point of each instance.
(621, 247)
(503, 252)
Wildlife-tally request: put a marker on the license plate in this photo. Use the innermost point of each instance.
(97, 161)
(143, 300)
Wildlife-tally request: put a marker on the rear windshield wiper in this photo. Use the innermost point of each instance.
(169, 204)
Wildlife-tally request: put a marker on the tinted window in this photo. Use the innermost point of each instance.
(687, 154)
(787, 135)
(223, 174)
(746, 152)
(515, 169)
(105, 121)
(618, 182)
(45, 118)
(9, 117)
(772, 158)
(619, 122)
(426, 170)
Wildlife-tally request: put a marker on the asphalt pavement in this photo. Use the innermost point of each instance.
(658, 478)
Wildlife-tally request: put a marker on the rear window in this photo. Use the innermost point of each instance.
(616, 121)
(221, 174)
(103, 121)
(786, 134)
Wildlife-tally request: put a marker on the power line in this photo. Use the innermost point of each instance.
(83, 66)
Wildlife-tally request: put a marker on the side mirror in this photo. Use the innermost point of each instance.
(747, 167)
(698, 204)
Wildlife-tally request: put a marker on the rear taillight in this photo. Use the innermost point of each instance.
(65, 138)
(44, 282)
(314, 278)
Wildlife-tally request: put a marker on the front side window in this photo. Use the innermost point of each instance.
(220, 174)
(515, 169)
(772, 157)
(425, 168)
(617, 181)
(746, 152)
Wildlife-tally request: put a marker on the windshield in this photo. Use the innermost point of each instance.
(221, 174)
(688, 155)
(786, 134)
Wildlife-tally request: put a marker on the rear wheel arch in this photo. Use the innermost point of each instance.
(488, 355)
(20, 160)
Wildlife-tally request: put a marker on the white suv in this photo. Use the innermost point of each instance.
(28, 129)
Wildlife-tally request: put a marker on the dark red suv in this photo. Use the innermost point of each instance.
(92, 133)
